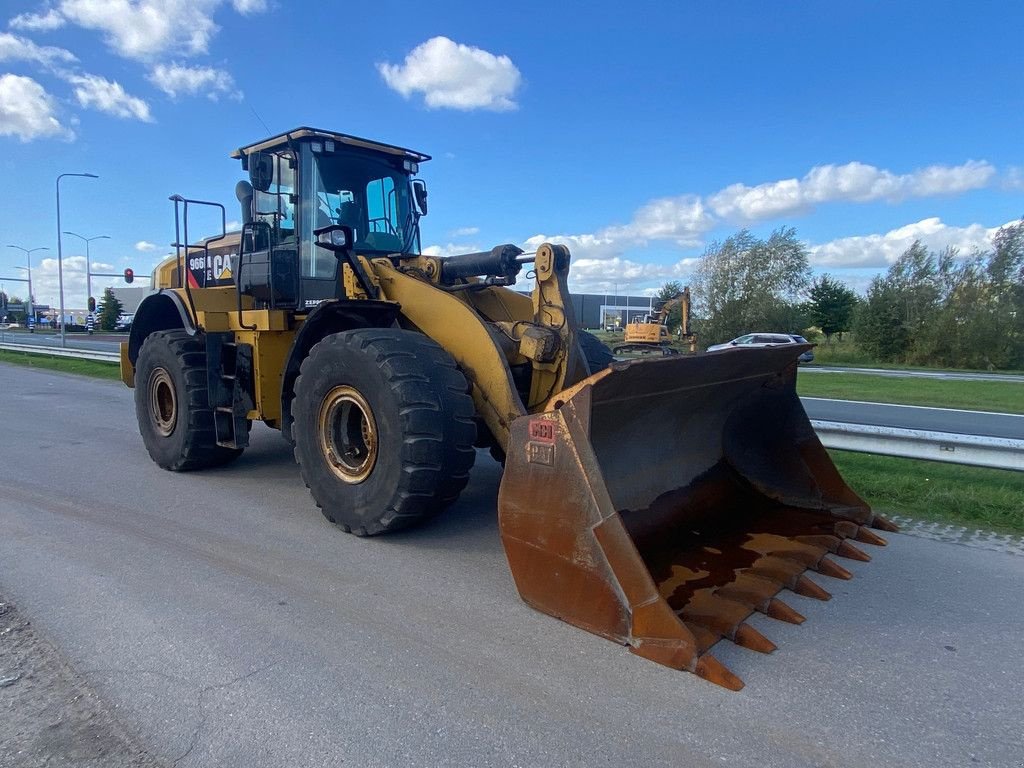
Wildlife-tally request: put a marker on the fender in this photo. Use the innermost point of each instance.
(330, 316)
(161, 311)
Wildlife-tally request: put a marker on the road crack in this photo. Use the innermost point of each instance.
(203, 715)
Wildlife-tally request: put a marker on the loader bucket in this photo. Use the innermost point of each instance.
(659, 503)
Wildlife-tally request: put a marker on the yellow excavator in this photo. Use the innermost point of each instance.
(649, 334)
(658, 503)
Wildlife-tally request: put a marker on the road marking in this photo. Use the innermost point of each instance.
(919, 407)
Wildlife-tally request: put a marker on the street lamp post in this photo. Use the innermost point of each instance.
(60, 257)
(88, 263)
(28, 260)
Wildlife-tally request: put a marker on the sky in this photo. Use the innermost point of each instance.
(638, 133)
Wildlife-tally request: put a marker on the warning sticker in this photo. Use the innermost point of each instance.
(542, 430)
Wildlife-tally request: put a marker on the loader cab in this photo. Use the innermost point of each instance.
(305, 180)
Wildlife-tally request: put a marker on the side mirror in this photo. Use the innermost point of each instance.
(261, 171)
(733, 343)
(336, 237)
(419, 191)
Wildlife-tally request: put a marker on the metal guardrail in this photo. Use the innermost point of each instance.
(972, 450)
(80, 354)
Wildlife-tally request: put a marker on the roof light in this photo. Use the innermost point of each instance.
(411, 166)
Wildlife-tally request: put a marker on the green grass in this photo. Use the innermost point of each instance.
(975, 497)
(1000, 396)
(95, 368)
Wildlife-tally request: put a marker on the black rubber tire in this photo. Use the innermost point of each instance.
(188, 441)
(597, 355)
(424, 425)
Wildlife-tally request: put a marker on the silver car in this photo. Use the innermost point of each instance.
(752, 340)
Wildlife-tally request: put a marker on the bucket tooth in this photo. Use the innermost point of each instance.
(883, 524)
(808, 588)
(748, 637)
(866, 536)
(751, 589)
(714, 671)
(831, 568)
(777, 609)
(823, 540)
(704, 636)
(846, 529)
(851, 552)
(718, 614)
(807, 555)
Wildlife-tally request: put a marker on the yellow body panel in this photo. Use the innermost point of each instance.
(646, 333)
(454, 325)
(269, 356)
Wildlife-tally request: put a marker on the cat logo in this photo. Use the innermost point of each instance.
(226, 273)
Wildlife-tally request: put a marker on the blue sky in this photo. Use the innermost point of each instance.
(635, 133)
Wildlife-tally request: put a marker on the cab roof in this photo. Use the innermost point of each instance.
(304, 133)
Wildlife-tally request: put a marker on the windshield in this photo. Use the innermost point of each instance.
(365, 193)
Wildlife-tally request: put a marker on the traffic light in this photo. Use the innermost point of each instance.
(129, 275)
(92, 304)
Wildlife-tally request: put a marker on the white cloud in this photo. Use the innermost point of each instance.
(881, 250)
(15, 48)
(95, 92)
(1013, 178)
(249, 6)
(27, 110)
(37, 22)
(465, 231)
(852, 182)
(453, 75)
(179, 80)
(451, 249)
(145, 245)
(624, 276)
(143, 29)
(682, 219)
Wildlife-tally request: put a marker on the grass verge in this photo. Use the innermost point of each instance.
(975, 497)
(94, 368)
(1001, 396)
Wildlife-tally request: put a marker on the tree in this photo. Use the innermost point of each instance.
(903, 305)
(748, 284)
(110, 310)
(830, 306)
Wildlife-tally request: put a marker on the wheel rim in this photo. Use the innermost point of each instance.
(348, 434)
(163, 402)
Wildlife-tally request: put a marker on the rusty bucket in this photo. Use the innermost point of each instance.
(659, 503)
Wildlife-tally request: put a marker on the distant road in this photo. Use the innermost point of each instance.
(99, 342)
(916, 417)
(901, 374)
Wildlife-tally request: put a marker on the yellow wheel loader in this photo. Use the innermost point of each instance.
(657, 503)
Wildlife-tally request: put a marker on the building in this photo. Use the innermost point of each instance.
(602, 310)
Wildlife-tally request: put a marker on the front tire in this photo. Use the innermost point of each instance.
(172, 404)
(383, 428)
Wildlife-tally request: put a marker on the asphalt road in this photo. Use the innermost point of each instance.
(917, 417)
(226, 623)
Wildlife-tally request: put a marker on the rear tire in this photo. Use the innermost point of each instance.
(383, 427)
(597, 355)
(172, 405)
